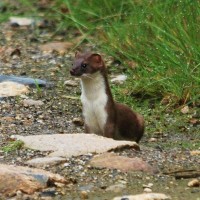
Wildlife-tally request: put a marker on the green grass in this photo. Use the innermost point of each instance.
(162, 38)
(9, 8)
(13, 146)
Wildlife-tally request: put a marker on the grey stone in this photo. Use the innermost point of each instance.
(28, 180)
(31, 102)
(119, 79)
(145, 196)
(147, 190)
(67, 145)
(125, 164)
(21, 21)
(31, 82)
(194, 183)
(44, 161)
(8, 89)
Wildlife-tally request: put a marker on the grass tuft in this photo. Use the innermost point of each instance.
(161, 37)
(13, 146)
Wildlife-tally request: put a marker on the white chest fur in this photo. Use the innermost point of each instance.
(94, 99)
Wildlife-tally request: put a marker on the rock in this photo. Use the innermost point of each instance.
(149, 185)
(31, 102)
(25, 179)
(60, 185)
(87, 187)
(84, 195)
(147, 190)
(8, 89)
(125, 164)
(153, 140)
(78, 121)
(67, 145)
(194, 183)
(42, 162)
(71, 83)
(195, 153)
(119, 79)
(147, 196)
(46, 198)
(194, 121)
(31, 82)
(19, 194)
(184, 173)
(116, 188)
(21, 21)
(60, 47)
(185, 110)
(48, 193)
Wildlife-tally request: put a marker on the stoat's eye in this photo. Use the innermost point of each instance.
(83, 65)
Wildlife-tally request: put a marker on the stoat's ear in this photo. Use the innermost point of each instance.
(96, 58)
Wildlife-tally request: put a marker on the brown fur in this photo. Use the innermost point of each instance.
(122, 122)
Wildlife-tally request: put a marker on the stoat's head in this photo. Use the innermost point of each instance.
(86, 64)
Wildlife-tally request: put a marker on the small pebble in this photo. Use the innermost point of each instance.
(71, 83)
(46, 198)
(31, 102)
(153, 140)
(195, 153)
(78, 121)
(119, 79)
(149, 185)
(185, 110)
(194, 183)
(66, 164)
(19, 194)
(60, 185)
(116, 188)
(84, 195)
(147, 190)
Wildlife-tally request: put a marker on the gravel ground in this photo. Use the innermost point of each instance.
(62, 105)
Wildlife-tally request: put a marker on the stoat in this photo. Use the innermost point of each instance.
(102, 115)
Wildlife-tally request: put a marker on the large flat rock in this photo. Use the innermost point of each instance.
(67, 145)
(8, 89)
(31, 82)
(125, 164)
(25, 179)
(42, 162)
(150, 196)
